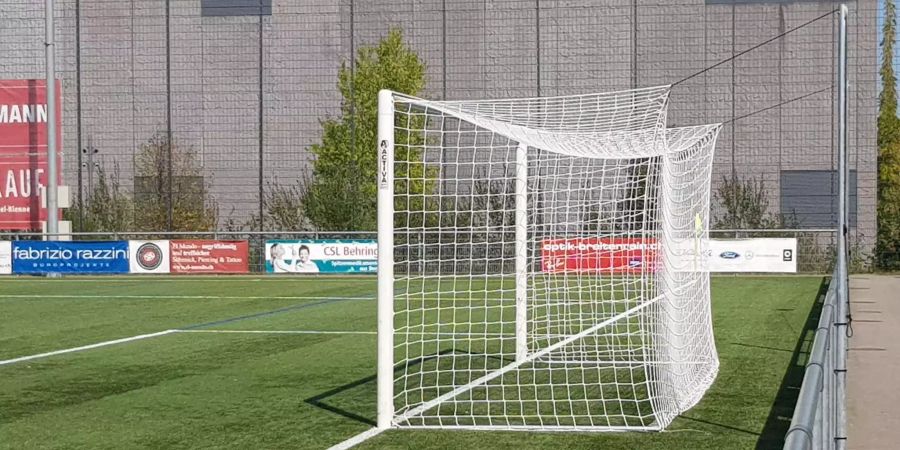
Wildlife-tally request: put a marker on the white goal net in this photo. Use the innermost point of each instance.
(540, 263)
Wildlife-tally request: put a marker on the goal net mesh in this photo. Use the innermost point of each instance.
(547, 263)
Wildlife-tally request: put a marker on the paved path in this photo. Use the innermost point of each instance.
(873, 376)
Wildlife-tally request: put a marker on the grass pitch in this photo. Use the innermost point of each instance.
(290, 363)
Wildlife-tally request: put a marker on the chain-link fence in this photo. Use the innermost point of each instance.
(200, 113)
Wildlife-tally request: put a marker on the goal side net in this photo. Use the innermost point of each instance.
(540, 263)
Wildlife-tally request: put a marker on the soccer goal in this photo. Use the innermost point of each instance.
(540, 263)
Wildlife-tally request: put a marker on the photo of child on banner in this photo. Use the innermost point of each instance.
(322, 256)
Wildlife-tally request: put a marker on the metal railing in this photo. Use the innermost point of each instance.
(149, 235)
(815, 246)
(814, 423)
(255, 239)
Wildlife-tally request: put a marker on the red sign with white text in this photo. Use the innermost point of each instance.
(599, 255)
(23, 151)
(208, 256)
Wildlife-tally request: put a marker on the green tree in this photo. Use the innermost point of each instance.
(105, 207)
(888, 124)
(342, 195)
(745, 205)
(888, 239)
(283, 207)
(193, 208)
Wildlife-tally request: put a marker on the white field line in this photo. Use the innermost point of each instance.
(358, 439)
(274, 331)
(85, 347)
(184, 297)
(417, 333)
(163, 333)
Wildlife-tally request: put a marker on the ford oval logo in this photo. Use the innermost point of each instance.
(729, 255)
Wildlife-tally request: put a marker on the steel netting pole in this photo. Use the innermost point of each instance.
(840, 370)
(52, 154)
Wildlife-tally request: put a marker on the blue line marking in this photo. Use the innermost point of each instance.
(263, 314)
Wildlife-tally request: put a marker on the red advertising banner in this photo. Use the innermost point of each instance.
(599, 255)
(23, 151)
(207, 256)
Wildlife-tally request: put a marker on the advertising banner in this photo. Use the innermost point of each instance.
(23, 152)
(35, 257)
(209, 256)
(753, 255)
(5, 257)
(599, 255)
(148, 256)
(322, 256)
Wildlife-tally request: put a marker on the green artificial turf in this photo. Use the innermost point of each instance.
(268, 390)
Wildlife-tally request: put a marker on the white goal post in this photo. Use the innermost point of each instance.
(540, 263)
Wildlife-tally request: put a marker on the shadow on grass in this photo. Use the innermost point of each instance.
(319, 401)
(773, 432)
(322, 400)
(782, 410)
(727, 427)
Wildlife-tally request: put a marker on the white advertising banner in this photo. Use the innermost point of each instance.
(148, 256)
(5, 257)
(322, 256)
(772, 255)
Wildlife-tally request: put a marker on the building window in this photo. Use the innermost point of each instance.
(810, 197)
(219, 8)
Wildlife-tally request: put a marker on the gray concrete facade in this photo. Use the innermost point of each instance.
(778, 100)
